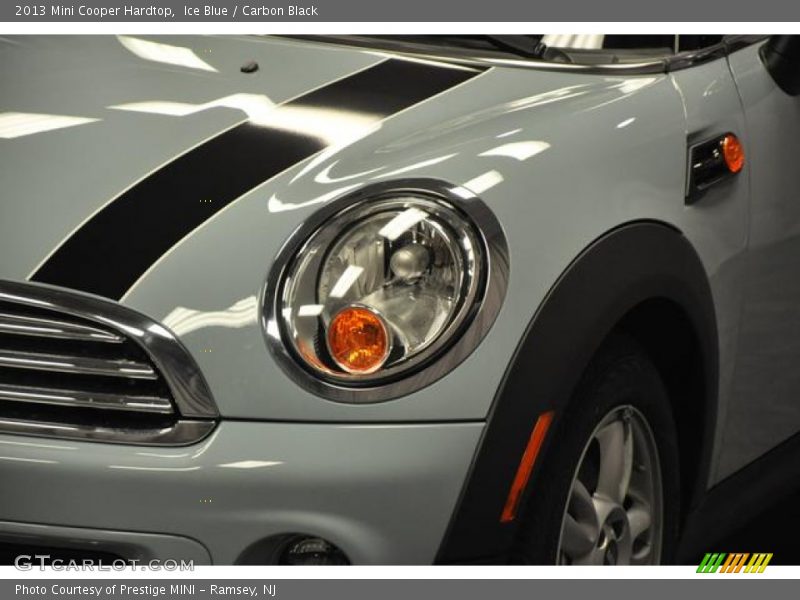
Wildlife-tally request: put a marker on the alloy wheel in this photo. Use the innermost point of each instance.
(613, 514)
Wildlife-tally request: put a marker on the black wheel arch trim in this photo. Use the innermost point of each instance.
(631, 264)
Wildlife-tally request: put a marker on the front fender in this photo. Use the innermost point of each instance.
(630, 265)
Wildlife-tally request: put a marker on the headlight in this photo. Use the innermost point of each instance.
(382, 287)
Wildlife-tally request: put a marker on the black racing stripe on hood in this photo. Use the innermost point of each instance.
(114, 248)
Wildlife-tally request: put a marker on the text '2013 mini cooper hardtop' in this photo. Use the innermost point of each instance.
(396, 300)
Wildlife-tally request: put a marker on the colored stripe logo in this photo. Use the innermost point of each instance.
(114, 248)
(734, 563)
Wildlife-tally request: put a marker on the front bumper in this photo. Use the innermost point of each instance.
(383, 493)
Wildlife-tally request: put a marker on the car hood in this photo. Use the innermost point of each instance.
(83, 119)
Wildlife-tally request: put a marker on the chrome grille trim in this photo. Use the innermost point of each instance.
(97, 353)
(78, 365)
(80, 398)
(54, 328)
(183, 432)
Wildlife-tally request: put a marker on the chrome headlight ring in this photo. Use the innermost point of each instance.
(418, 265)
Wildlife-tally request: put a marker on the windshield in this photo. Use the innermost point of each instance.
(580, 48)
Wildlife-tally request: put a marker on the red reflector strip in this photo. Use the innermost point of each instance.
(526, 466)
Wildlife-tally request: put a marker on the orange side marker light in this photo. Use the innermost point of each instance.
(733, 153)
(526, 466)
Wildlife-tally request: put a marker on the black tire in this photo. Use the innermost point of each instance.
(620, 374)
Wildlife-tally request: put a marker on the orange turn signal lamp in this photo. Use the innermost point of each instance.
(358, 340)
(733, 153)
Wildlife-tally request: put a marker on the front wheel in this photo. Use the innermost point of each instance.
(608, 491)
(614, 512)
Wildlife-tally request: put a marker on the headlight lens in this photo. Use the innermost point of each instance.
(381, 288)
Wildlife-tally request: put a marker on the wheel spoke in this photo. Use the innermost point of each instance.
(603, 508)
(581, 503)
(577, 539)
(595, 558)
(639, 519)
(581, 527)
(644, 555)
(616, 460)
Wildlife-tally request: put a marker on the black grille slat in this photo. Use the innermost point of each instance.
(64, 416)
(89, 383)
